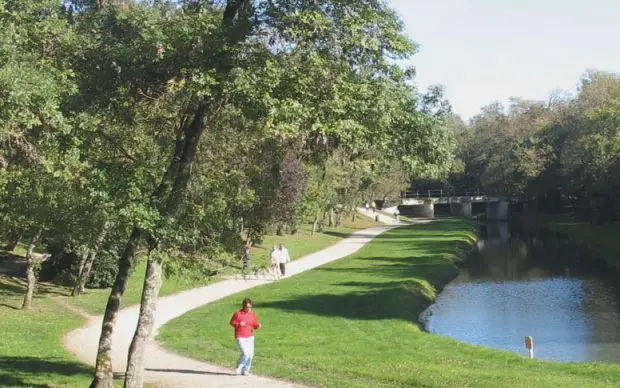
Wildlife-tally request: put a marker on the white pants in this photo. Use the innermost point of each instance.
(246, 346)
(275, 271)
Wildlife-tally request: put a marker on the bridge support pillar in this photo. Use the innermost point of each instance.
(462, 208)
(497, 210)
(428, 209)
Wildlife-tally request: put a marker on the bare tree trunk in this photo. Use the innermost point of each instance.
(85, 271)
(16, 237)
(134, 375)
(315, 224)
(32, 279)
(172, 181)
(331, 217)
(31, 282)
(103, 371)
(173, 203)
(179, 174)
(82, 263)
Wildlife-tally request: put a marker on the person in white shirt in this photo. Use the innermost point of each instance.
(284, 258)
(275, 260)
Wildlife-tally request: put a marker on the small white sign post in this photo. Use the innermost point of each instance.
(529, 345)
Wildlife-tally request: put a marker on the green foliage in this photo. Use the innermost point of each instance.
(299, 107)
(565, 152)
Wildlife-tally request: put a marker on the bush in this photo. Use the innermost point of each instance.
(198, 266)
(104, 270)
(61, 268)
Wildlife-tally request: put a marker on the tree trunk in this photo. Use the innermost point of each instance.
(315, 224)
(31, 282)
(172, 205)
(338, 219)
(32, 279)
(331, 217)
(82, 263)
(85, 272)
(103, 370)
(169, 187)
(172, 191)
(16, 237)
(135, 363)
(354, 217)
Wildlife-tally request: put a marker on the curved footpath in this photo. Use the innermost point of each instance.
(167, 369)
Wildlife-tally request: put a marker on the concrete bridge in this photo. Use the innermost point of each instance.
(423, 203)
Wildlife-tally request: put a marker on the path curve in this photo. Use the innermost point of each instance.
(167, 369)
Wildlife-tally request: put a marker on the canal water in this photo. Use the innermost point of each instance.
(534, 283)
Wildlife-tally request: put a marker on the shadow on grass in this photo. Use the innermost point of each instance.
(429, 268)
(191, 372)
(11, 264)
(379, 301)
(15, 288)
(397, 287)
(12, 370)
(10, 287)
(337, 234)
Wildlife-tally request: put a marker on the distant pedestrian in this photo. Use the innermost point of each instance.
(366, 206)
(374, 206)
(245, 322)
(275, 262)
(284, 258)
(397, 215)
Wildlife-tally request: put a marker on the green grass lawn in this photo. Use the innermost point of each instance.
(603, 239)
(31, 351)
(353, 323)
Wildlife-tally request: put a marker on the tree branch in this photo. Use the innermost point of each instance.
(113, 141)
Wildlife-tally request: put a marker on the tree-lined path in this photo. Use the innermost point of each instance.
(168, 369)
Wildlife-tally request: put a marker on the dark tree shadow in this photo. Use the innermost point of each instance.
(16, 286)
(9, 287)
(337, 234)
(191, 372)
(432, 268)
(7, 380)
(18, 366)
(405, 284)
(378, 301)
(375, 304)
(11, 264)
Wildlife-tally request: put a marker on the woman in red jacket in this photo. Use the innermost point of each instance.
(245, 321)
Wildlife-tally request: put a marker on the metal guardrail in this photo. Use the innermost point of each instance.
(440, 193)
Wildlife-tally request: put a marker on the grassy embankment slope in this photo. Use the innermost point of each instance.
(31, 351)
(353, 323)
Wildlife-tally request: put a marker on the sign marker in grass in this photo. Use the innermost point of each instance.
(529, 345)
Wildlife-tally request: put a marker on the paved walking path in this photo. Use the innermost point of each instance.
(166, 369)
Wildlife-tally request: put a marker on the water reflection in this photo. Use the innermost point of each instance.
(536, 283)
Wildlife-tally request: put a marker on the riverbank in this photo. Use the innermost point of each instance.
(31, 349)
(354, 323)
(602, 239)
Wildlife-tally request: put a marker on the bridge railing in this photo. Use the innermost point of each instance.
(440, 193)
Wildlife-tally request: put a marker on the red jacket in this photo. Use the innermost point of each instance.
(251, 323)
